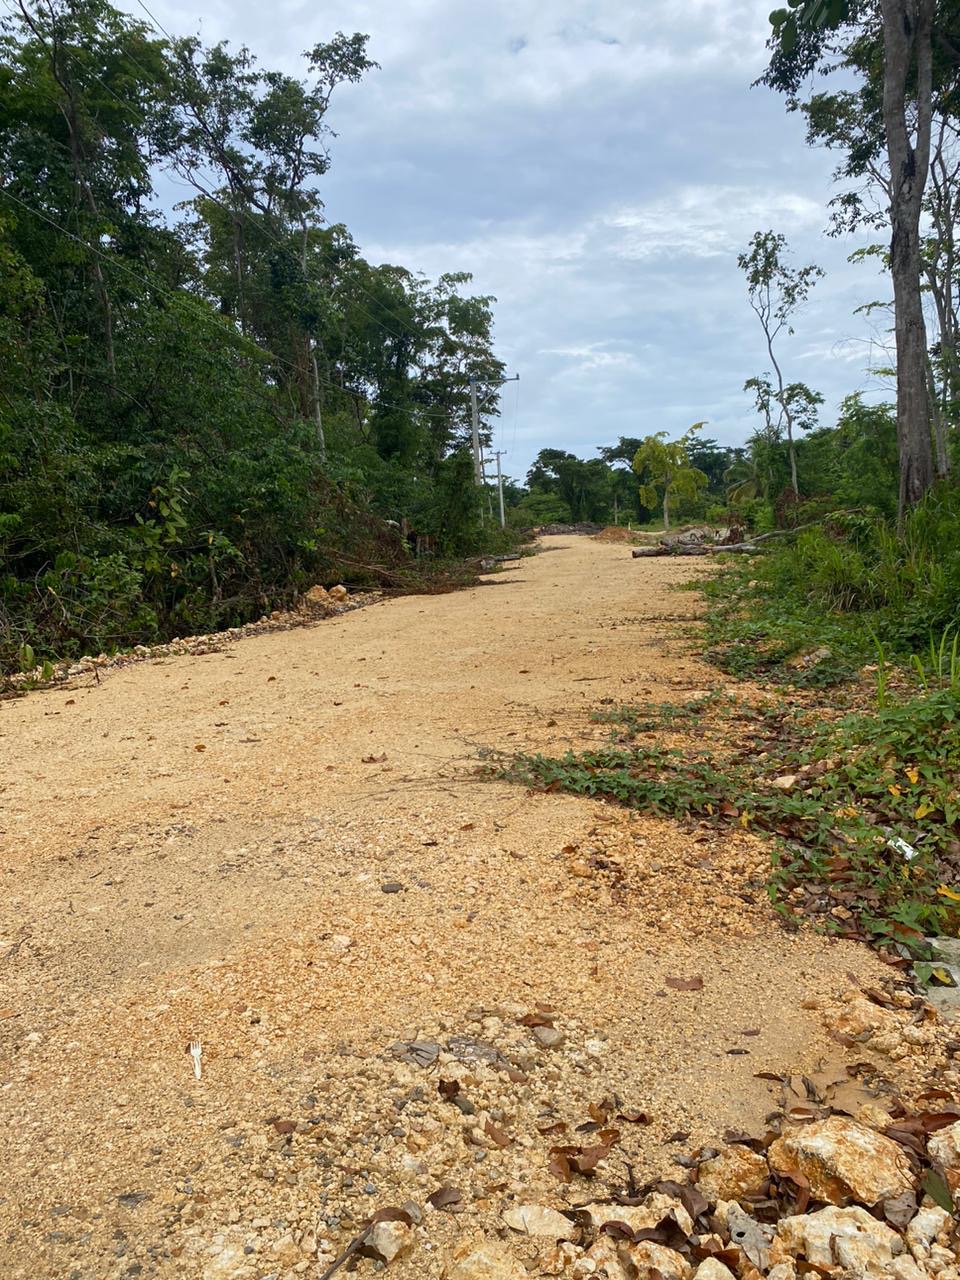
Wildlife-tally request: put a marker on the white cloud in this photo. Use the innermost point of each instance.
(592, 357)
(597, 164)
(708, 221)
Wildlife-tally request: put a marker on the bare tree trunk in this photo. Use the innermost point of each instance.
(787, 415)
(312, 350)
(939, 267)
(99, 281)
(907, 28)
(939, 430)
(238, 272)
(666, 509)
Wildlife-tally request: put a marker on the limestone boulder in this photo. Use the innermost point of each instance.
(843, 1161)
(484, 1260)
(638, 1217)
(390, 1240)
(712, 1269)
(929, 1227)
(651, 1261)
(600, 1262)
(861, 1019)
(735, 1172)
(905, 1267)
(539, 1220)
(609, 1259)
(841, 1237)
(944, 1149)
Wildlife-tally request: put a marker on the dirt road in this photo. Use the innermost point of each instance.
(283, 849)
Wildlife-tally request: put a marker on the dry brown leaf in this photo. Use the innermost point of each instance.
(634, 1117)
(535, 1020)
(496, 1135)
(444, 1196)
(685, 984)
(391, 1213)
(558, 1126)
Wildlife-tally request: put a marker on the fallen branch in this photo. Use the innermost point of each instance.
(746, 548)
(355, 1244)
(798, 528)
(676, 549)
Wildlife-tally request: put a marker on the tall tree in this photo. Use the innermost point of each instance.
(167, 386)
(777, 291)
(907, 28)
(805, 38)
(262, 135)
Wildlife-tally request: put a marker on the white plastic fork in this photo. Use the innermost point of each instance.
(195, 1052)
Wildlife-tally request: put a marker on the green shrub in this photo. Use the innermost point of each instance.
(847, 585)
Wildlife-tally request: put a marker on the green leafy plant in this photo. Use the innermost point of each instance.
(665, 464)
(865, 833)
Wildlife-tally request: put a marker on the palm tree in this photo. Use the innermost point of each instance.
(752, 475)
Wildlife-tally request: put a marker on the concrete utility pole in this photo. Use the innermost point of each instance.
(500, 453)
(475, 419)
(475, 423)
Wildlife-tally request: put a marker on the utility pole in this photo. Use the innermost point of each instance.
(475, 420)
(500, 453)
(475, 423)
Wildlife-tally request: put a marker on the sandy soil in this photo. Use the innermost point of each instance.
(201, 847)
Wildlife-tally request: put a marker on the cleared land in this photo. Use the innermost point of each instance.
(209, 847)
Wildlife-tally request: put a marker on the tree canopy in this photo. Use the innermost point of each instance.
(204, 409)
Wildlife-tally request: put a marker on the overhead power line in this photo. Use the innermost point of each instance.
(204, 314)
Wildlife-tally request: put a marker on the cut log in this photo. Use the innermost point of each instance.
(677, 549)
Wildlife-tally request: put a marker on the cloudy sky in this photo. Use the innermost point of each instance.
(597, 166)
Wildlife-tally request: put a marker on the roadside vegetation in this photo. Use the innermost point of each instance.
(863, 810)
(842, 745)
(208, 407)
(843, 749)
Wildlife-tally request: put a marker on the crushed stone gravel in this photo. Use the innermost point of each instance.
(206, 847)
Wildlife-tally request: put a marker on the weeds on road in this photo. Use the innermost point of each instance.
(864, 812)
(630, 720)
(862, 808)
